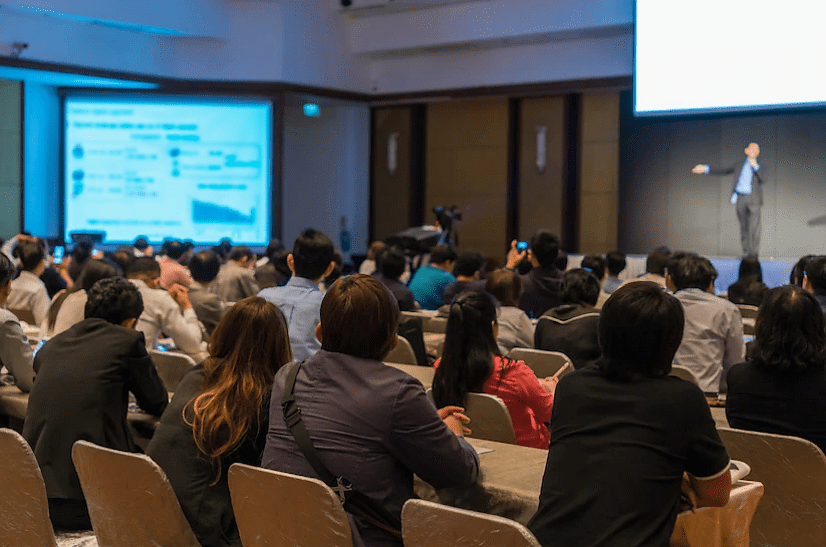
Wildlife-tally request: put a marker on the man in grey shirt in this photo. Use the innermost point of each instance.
(713, 334)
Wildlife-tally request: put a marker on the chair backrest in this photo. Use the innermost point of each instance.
(23, 503)
(793, 472)
(747, 311)
(682, 372)
(489, 418)
(130, 500)
(171, 366)
(24, 315)
(403, 353)
(748, 327)
(276, 509)
(434, 324)
(542, 363)
(428, 524)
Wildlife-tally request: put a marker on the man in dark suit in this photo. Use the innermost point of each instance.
(746, 194)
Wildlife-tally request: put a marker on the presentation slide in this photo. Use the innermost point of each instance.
(707, 55)
(161, 167)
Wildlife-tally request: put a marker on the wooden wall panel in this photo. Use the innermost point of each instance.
(467, 165)
(390, 201)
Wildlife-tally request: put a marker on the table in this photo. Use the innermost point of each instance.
(512, 478)
(422, 374)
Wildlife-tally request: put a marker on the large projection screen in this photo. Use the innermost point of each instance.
(710, 55)
(166, 166)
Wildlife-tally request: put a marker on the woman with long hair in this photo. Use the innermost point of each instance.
(471, 362)
(219, 415)
(67, 306)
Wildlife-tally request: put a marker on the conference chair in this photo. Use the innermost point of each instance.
(276, 509)
(172, 366)
(684, 373)
(130, 500)
(403, 353)
(792, 512)
(542, 363)
(434, 324)
(489, 417)
(747, 311)
(428, 524)
(25, 316)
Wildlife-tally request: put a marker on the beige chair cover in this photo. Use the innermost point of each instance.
(276, 509)
(793, 472)
(171, 366)
(489, 418)
(402, 353)
(434, 324)
(130, 500)
(684, 373)
(747, 311)
(427, 524)
(542, 363)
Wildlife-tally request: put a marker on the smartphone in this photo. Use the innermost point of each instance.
(37, 347)
(59, 251)
(522, 246)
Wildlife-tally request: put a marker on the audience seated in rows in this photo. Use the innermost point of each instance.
(814, 279)
(68, 308)
(236, 280)
(357, 410)
(713, 337)
(28, 293)
(172, 271)
(782, 387)
(515, 328)
(15, 351)
(273, 272)
(166, 311)
(749, 288)
(572, 327)
(542, 283)
(655, 265)
(616, 263)
(219, 415)
(371, 264)
(471, 362)
(468, 270)
(84, 377)
(430, 280)
(392, 264)
(624, 433)
(300, 299)
(209, 308)
(596, 265)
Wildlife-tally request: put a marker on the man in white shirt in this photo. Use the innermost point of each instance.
(713, 334)
(28, 293)
(166, 311)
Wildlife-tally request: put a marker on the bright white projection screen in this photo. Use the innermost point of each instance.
(709, 55)
(167, 166)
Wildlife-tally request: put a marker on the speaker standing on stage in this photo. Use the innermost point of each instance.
(747, 195)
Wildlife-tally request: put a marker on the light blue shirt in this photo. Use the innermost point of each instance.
(745, 180)
(300, 301)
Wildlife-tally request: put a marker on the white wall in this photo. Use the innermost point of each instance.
(326, 173)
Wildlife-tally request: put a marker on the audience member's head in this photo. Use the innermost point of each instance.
(146, 269)
(312, 256)
(545, 248)
(596, 265)
(640, 329)
(273, 247)
(561, 261)
(242, 255)
(470, 344)
(123, 257)
(580, 287)
(790, 331)
(657, 261)
(83, 250)
(468, 265)
(814, 279)
(31, 256)
(359, 300)
(204, 267)
(616, 263)
(8, 271)
(142, 246)
(115, 300)
(94, 271)
(392, 263)
(506, 286)
(752, 292)
(173, 248)
(692, 272)
(335, 273)
(374, 249)
(442, 257)
(750, 269)
(796, 275)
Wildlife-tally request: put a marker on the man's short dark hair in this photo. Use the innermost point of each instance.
(274, 246)
(241, 252)
(692, 272)
(595, 264)
(441, 254)
(468, 263)
(616, 262)
(816, 272)
(796, 275)
(115, 300)
(204, 266)
(790, 331)
(123, 257)
(392, 263)
(561, 261)
(30, 254)
(312, 253)
(749, 291)
(545, 247)
(141, 244)
(657, 261)
(640, 329)
(580, 287)
(173, 248)
(144, 266)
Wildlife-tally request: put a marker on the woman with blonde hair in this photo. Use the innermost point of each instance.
(219, 416)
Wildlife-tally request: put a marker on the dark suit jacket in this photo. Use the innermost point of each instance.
(757, 180)
(81, 391)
